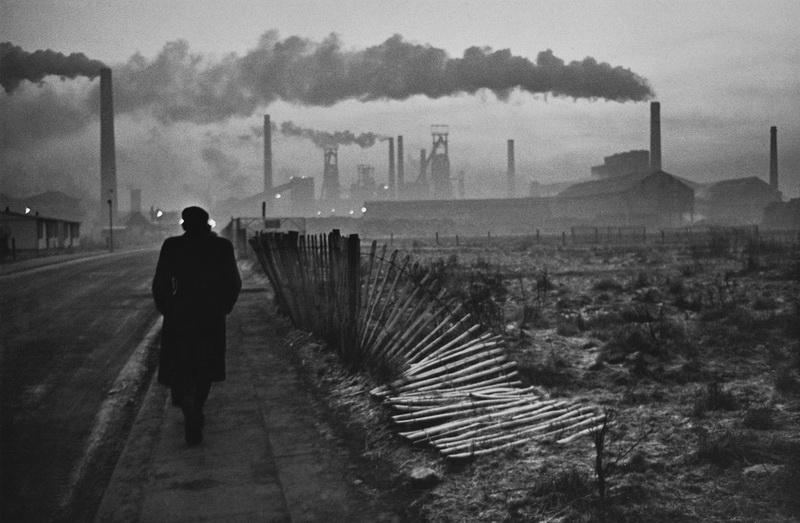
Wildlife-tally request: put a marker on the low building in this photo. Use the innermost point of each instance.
(620, 164)
(35, 233)
(474, 216)
(654, 199)
(740, 201)
(782, 215)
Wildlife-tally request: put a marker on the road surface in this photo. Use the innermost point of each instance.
(66, 332)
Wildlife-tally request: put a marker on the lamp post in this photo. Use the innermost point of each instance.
(110, 224)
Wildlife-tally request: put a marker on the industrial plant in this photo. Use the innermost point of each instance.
(629, 189)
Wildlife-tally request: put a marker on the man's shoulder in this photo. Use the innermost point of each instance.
(220, 241)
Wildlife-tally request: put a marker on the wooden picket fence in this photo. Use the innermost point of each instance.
(451, 384)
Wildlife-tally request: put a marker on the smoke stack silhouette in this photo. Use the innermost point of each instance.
(773, 157)
(400, 168)
(511, 168)
(108, 155)
(268, 182)
(392, 184)
(655, 136)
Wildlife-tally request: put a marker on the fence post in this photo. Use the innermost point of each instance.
(538, 239)
(644, 234)
(563, 237)
(13, 247)
(437, 237)
(572, 231)
(663, 237)
(353, 289)
(391, 238)
(456, 240)
(596, 236)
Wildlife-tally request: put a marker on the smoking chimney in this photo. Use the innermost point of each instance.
(392, 186)
(108, 156)
(773, 157)
(267, 157)
(400, 173)
(511, 168)
(655, 136)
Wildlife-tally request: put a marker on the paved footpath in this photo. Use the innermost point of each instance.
(263, 457)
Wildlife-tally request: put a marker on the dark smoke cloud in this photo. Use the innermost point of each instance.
(178, 85)
(323, 138)
(17, 65)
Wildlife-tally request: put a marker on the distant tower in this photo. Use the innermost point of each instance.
(511, 169)
(330, 173)
(108, 157)
(392, 183)
(773, 157)
(439, 160)
(400, 172)
(268, 182)
(655, 137)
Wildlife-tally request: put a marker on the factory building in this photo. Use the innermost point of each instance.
(620, 164)
(647, 199)
(740, 201)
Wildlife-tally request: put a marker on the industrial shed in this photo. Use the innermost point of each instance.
(738, 201)
(33, 232)
(646, 199)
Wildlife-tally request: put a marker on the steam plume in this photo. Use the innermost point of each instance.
(17, 65)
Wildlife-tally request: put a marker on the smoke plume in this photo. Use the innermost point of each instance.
(178, 85)
(323, 138)
(17, 65)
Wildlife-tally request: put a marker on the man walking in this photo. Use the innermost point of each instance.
(196, 285)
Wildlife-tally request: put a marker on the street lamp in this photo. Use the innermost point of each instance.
(110, 224)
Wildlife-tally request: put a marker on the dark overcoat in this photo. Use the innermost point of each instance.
(196, 285)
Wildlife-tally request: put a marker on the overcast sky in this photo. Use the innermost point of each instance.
(724, 72)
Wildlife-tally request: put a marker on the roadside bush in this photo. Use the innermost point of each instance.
(714, 398)
(608, 285)
(727, 448)
(786, 381)
(759, 418)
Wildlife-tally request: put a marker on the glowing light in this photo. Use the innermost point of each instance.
(212, 223)
(180, 222)
(27, 210)
(159, 214)
(278, 196)
(319, 213)
(333, 210)
(385, 187)
(351, 211)
(363, 209)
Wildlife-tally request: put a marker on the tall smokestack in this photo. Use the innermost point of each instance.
(392, 185)
(511, 168)
(773, 157)
(108, 155)
(655, 136)
(400, 172)
(267, 157)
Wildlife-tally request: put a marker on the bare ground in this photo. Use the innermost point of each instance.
(694, 352)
